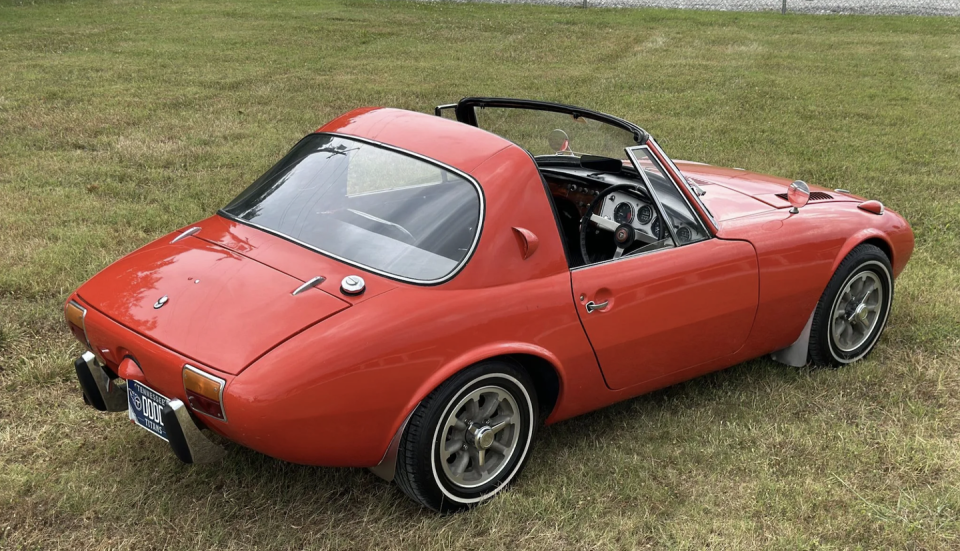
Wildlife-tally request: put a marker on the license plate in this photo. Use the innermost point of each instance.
(144, 405)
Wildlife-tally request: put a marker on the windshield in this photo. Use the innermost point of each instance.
(552, 133)
(685, 224)
(387, 211)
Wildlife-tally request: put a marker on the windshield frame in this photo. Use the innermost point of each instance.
(443, 166)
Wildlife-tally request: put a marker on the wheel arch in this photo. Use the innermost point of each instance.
(869, 236)
(543, 367)
(546, 380)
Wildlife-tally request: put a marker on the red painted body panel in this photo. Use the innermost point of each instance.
(445, 140)
(662, 302)
(726, 204)
(289, 258)
(158, 366)
(798, 254)
(216, 298)
(764, 189)
(317, 415)
(334, 392)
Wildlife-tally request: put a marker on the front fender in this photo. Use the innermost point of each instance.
(890, 229)
(858, 238)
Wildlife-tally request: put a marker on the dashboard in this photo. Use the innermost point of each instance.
(626, 208)
(621, 207)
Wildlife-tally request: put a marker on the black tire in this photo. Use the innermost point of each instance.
(865, 262)
(420, 469)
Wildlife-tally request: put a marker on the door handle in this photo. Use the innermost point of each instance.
(591, 306)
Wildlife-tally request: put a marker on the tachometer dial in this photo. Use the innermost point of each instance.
(645, 214)
(655, 229)
(623, 213)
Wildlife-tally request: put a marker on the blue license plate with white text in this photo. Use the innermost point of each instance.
(145, 405)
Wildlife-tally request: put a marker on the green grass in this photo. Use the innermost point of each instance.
(120, 121)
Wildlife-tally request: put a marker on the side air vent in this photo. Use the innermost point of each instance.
(814, 196)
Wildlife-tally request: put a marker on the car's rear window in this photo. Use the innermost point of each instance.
(379, 208)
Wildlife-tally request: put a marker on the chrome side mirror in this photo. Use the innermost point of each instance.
(798, 194)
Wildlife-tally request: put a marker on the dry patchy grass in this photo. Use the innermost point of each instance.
(120, 120)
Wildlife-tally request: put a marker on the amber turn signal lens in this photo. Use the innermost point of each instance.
(204, 392)
(74, 314)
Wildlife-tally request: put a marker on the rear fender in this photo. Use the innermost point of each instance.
(475, 356)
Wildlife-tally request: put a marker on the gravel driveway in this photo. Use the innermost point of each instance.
(874, 7)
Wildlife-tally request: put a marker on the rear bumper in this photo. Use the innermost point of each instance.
(99, 390)
(187, 442)
(186, 439)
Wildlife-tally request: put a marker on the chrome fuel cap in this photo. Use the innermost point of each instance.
(352, 285)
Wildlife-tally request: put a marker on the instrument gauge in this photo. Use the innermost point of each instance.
(623, 213)
(683, 234)
(656, 230)
(645, 214)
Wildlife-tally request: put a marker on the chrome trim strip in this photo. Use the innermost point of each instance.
(308, 285)
(223, 385)
(114, 395)
(451, 275)
(387, 467)
(202, 450)
(192, 231)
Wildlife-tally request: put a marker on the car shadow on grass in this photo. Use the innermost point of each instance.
(262, 483)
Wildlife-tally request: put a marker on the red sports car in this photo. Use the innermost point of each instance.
(416, 294)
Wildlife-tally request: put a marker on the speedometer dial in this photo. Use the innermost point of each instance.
(656, 229)
(645, 214)
(623, 213)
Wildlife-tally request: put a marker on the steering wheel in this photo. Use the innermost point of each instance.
(623, 234)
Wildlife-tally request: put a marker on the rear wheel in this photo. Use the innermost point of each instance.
(853, 309)
(469, 438)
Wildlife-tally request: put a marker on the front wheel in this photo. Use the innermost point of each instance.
(469, 438)
(853, 309)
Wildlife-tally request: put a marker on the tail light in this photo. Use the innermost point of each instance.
(204, 392)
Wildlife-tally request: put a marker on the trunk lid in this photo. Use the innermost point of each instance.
(223, 309)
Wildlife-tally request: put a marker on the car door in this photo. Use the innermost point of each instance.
(667, 310)
(655, 314)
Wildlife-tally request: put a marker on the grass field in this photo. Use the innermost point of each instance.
(120, 121)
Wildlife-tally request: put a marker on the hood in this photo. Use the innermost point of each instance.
(732, 192)
(222, 309)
